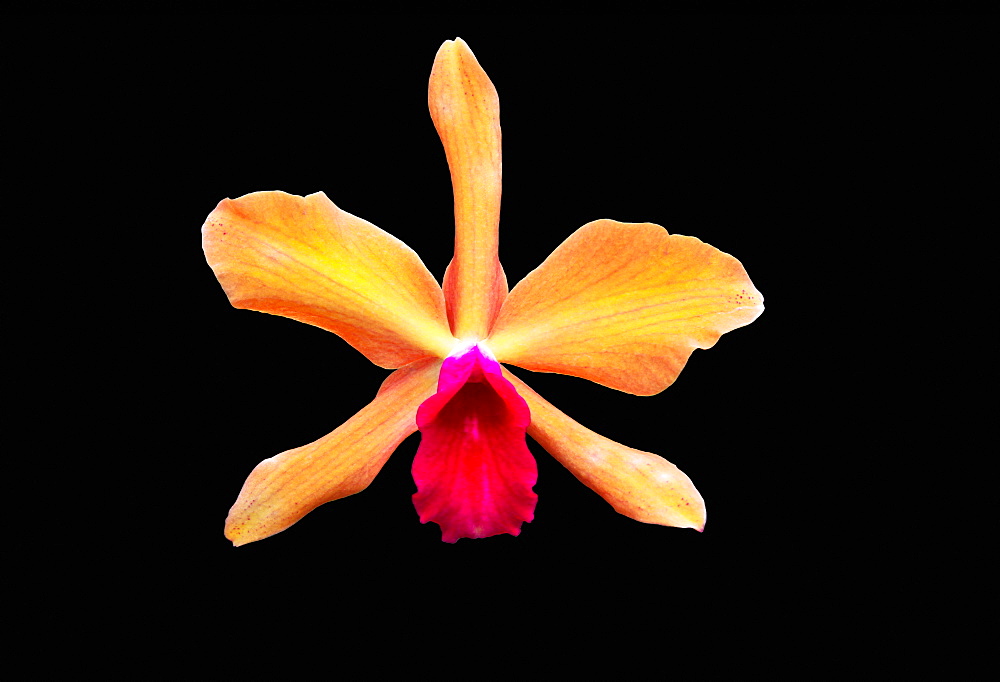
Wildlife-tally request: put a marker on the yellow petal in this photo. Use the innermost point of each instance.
(624, 305)
(283, 489)
(466, 113)
(304, 258)
(640, 485)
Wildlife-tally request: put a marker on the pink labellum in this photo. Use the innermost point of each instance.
(473, 469)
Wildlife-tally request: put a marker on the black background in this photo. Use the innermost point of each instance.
(820, 151)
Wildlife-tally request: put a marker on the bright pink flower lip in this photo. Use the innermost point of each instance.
(473, 469)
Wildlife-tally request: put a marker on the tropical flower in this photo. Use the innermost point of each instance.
(621, 304)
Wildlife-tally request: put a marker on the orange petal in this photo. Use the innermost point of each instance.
(640, 485)
(624, 305)
(466, 113)
(283, 489)
(304, 258)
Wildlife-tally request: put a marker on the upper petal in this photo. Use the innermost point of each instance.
(286, 487)
(304, 258)
(624, 305)
(638, 484)
(466, 113)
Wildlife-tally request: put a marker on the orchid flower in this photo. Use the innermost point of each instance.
(621, 304)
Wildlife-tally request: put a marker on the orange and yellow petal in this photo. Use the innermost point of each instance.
(466, 112)
(283, 489)
(304, 258)
(624, 305)
(640, 485)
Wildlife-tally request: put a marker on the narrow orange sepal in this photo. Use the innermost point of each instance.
(283, 489)
(466, 113)
(638, 484)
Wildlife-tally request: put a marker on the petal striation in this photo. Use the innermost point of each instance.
(473, 469)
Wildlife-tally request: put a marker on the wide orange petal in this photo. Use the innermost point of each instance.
(638, 484)
(304, 258)
(466, 113)
(283, 489)
(624, 305)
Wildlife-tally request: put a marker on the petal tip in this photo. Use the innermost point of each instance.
(236, 534)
